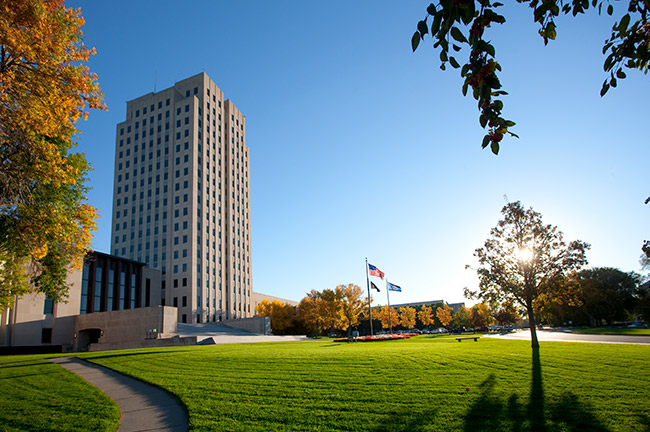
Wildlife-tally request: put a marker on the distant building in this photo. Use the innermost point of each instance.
(432, 303)
(181, 198)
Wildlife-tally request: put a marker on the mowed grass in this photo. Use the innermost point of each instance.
(612, 331)
(37, 395)
(422, 384)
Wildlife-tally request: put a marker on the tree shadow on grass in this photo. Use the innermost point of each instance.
(490, 413)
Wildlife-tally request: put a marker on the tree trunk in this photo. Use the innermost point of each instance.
(533, 328)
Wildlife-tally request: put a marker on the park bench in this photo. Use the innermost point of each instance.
(468, 337)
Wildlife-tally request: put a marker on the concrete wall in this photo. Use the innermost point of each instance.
(125, 328)
(147, 343)
(258, 297)
(27, 318)
(261, 325)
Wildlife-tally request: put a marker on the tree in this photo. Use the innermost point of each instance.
(443, 314)
(521, 259)
(461, 318)
(480, 315)
(406, 317)
(387, 316)
(45, 226)
(351, 304)
(463, 23)
(608, 294)
(508, 314)
(309, 311)
(282, 315)
(425, 315)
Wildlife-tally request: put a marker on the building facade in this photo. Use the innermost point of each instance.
(181, 198)
(104, 284)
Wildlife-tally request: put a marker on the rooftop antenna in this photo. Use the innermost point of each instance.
(155, 80)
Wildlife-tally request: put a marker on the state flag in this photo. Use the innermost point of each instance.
(373, 286)
(393, 287)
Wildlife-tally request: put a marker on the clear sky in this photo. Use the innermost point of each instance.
(361, 148)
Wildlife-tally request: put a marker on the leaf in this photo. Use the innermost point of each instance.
(494, 146)
(465, 85)
(456, 47)
(423, 28)
(443, 56)
(483, 121)
(486, 141)
(610, 10)
(604, 89)
(431, 9)
(458, 35)
(625, 21)
(415, 41)
(620, 74)
(612, 82)
(453, 62)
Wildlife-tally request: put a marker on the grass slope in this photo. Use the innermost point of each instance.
(38, 395)
(422, 384)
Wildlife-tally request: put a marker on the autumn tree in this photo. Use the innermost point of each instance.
(425, 315)
(443, 313)
(387, 316)
(480, 315)
(521, 258)
(351, 304)
(406, 317)
(282, 315)
(460, 28)
(45, 225)
(507, 314)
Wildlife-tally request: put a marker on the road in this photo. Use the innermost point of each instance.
(563, 335)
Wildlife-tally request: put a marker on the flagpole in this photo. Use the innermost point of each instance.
(390, 324)
(369, 306)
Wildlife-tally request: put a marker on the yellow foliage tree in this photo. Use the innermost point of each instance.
(282, 315)
(425, 315)
(387, 316)
(480, 315)
(351, 304)
(406, 317)
(443, 314)
(45, 226)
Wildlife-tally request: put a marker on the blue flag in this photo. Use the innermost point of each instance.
(393, 287)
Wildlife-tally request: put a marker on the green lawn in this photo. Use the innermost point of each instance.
(38, 395)
(422, 384)
(612, 331)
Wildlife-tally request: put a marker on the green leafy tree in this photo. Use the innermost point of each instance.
(461, 26)
(461, 318)
(45, 225)
(521, 258)
(507, 314)
(608, 294)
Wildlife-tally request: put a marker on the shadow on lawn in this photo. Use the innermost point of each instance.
(490, 413)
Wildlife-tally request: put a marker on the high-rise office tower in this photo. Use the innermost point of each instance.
(181, 200)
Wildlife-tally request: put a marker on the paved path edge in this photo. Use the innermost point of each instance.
(143, 406)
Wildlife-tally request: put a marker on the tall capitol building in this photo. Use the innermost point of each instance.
(181, 198)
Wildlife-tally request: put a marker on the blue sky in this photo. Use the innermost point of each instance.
(361, 148)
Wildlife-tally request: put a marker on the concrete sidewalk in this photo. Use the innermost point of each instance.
(143, 407)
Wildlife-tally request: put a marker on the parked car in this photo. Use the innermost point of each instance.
(638, 325)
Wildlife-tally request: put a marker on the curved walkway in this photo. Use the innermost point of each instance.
(143, 407)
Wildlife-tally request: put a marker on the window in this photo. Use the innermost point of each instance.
(184, 301)
(48, 307)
